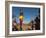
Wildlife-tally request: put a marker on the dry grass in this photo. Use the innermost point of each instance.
(24, 27)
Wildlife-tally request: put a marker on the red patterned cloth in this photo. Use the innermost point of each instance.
(21, 22)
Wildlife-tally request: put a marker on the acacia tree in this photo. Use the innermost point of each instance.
(37, 20)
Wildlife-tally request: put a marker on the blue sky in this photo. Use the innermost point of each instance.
(29, 13)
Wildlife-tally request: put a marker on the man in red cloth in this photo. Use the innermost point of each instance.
(21, 20)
